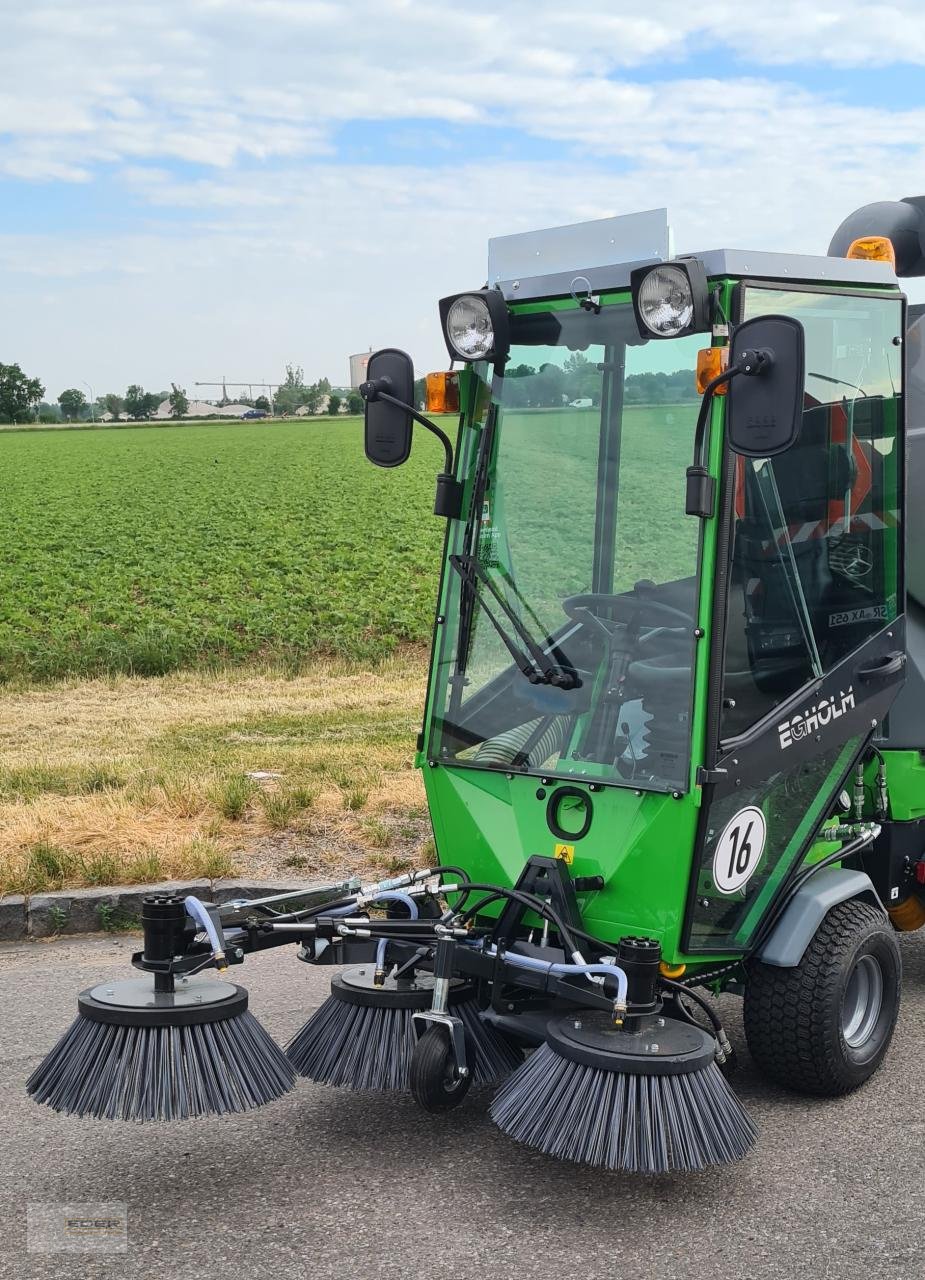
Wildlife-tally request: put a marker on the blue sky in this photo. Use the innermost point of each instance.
(222, 186)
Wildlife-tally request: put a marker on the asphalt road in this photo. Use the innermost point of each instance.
(326, 1184)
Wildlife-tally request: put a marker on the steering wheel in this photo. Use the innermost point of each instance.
(623, 608)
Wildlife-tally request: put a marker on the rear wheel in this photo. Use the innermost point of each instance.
(824, 1027)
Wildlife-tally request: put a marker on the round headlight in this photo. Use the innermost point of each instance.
(469, 328)
(665, 301)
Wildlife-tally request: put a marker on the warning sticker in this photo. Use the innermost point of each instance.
(566, 852)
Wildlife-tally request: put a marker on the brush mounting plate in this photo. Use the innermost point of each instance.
(135, 1003)
(652, 1046)
(356, 986)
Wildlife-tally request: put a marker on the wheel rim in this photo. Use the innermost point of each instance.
(863, 1002)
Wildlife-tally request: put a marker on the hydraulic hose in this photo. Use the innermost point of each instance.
(846, 851)
(197, 910)
(724, 1049)
(679, 989)
(558, 967)
(534, 903)
(446, 869)
(409, 902)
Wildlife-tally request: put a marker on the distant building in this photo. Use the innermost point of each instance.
(202, 409)
(358, 365)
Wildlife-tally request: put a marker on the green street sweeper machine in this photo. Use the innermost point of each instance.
(675, 722)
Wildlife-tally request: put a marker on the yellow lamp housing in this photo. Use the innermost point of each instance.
(441, 392)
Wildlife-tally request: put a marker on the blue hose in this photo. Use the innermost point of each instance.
(550, 966)
(391, 896)
(197, 910)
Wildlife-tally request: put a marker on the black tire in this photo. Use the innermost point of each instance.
(435, 1083)
(823, 1027)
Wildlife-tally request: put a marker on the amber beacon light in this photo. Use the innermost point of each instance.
(873, 249)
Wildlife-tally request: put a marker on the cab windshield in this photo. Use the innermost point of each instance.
(568, 641)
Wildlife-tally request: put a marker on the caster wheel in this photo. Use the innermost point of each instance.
(435, 1083)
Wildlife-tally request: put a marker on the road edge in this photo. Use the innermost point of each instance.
(116, 908)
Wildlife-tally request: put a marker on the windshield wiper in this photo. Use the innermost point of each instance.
(841, 382)
(534, 664)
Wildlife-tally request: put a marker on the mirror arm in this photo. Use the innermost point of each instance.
(425, 422)
(701, 487)
(449, 498)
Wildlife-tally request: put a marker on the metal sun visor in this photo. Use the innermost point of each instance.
(576, 257)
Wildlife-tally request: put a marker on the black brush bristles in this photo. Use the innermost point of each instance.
(354, 1046)
(492, 1056)
(363, 1036)
(126, 1071)
(363, 1047)
(623, 1121)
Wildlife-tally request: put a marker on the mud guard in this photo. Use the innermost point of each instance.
(805, 913)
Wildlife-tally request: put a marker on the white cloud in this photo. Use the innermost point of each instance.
(210, 81)
(308, 258)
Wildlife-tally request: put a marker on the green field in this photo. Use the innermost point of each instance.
(145, 551)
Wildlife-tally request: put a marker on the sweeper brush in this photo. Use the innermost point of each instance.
(364, 1035)
(650, 1100)
(164, 1046)
(663, 749)
(134, 1053)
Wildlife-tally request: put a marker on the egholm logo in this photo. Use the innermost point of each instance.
(806, 723)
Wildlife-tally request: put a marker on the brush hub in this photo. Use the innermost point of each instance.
(652, 1046)
(356, 986)
(135, 1003)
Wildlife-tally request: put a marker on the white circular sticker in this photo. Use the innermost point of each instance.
(739, 850)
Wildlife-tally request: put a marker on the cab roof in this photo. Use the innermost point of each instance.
(598, 256)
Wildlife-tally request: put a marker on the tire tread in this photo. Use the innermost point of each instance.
(792, 1015)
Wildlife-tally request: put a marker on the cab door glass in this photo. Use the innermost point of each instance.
(816, 530)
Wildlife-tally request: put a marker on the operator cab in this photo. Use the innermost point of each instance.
(577, 588)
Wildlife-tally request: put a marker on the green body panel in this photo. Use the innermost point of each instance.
(905, 775)
(640, 844)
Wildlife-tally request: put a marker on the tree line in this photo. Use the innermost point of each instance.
(21, 397)
(22, 400)
(579, 378)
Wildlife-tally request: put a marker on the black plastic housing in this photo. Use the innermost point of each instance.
(500, 323)
(901, 221)
(387, 426)
(696, 274)
(764, 406)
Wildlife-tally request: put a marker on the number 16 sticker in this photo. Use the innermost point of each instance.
(739, 850)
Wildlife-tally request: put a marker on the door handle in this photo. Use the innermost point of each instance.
(888, 666)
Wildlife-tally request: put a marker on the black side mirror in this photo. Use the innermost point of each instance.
(765, 400)
(388, 426)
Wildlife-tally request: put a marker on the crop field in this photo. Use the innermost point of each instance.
(148, 550)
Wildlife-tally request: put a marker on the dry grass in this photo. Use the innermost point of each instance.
(149, 778)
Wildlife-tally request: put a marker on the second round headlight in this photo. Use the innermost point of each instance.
(666, 301)
(469, 328)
